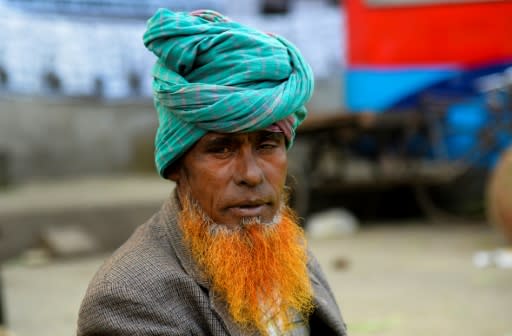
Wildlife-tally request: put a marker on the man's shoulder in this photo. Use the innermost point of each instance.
(144, 280)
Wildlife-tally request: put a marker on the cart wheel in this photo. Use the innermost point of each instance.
(460, 200)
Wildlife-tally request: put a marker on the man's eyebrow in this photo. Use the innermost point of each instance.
(219, 139)
(267, 135)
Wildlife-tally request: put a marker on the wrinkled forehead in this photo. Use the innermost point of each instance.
(241, 137)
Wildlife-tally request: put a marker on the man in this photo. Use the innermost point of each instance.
(224, 255)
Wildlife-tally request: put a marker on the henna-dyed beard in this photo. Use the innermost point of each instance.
(259, 269)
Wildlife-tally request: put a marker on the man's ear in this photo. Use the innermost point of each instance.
(173, 172)
(174, 176)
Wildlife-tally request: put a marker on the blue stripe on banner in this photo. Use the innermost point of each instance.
(378, 89)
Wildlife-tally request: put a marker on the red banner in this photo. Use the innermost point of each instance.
(468, 33)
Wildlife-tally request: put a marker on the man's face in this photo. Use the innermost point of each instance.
(235, 176)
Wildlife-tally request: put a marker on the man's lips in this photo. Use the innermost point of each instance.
(250, 208)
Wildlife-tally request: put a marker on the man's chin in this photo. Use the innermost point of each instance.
(242, 222)
(259, 220)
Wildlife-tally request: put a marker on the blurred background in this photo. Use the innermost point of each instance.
(402, 172)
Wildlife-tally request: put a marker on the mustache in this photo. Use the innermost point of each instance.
(221, 228)
(260, 195)
(214, 227)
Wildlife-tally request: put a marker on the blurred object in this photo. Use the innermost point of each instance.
(459, 200)
(69, 241)
(493, 82)
(275, 6)
(5, 332)
(471, 132)
(113, 8)
(298, 178)
(4, 169)
(2, 312)
(426, 106)
(499, 196)
(500, 258)
(52, 82)
(107, 209)
(503, 258)
(35, 257)
(363, 151)
(83, 44)
(482, 259)
(340, 263)
(331, 224)
(4, 79)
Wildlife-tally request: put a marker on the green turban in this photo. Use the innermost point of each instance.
(216, 75)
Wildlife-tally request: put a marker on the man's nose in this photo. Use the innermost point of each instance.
(248, 171)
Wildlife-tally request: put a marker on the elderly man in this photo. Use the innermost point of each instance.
(224, 255)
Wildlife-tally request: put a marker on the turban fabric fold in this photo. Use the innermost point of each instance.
(216, 75)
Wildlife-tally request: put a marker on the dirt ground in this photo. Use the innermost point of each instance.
(418, 279)
(400, 279)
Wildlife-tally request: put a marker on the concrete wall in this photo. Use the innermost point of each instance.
(54, 138)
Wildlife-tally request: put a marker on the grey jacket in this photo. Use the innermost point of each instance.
(151, 286)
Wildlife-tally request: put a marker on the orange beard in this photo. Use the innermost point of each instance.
(258, 269)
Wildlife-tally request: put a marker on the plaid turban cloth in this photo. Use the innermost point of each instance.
(216, 75)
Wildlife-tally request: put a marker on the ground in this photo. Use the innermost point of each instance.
(400, 279)
(417, 279)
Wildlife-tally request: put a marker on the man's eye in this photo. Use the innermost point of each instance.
(220, 150)
(268, 145)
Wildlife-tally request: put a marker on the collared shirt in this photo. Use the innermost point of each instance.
(300, 328)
